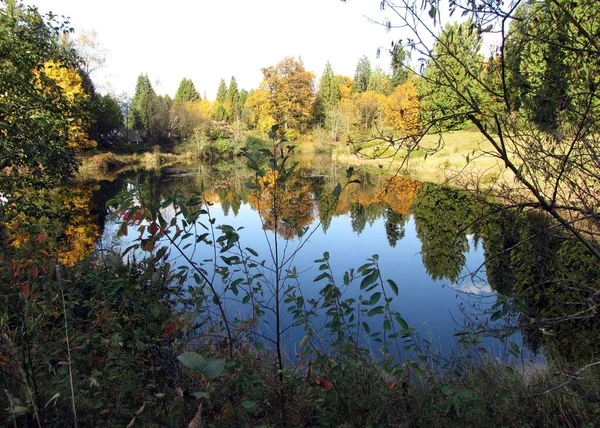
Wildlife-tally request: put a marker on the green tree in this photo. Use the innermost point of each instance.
(362, 75)
(394, 226)
(245, 111)
(452, 74)
(329, 91)
(541, 77)
(34, 109)
(107, 119)
(328, 97)
(400, 58)
(233, 100)
(443, 237)
(379, 82)
(222, 92)
(186, 91)
(144, 105)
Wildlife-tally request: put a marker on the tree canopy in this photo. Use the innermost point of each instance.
(41, 95)
(186, 91)
(362, 76)
(290, 94)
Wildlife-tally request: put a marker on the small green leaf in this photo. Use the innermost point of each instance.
(375, 298)
(322, 276)
(193, 361)
(496, 316)
(338, 189)
(432, 12)
(393, 286)
(366, 327)
(215, 369)
(401, 321)
(249, 405)
(304, 341)
(251, 251)
(375, 311)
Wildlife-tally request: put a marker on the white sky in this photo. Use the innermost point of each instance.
(207, 40)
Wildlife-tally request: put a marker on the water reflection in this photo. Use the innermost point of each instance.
(426, 235)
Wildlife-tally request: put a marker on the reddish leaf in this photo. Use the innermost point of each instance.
(153, 228)
(25, 286)
(170, 328)
(41, 237)
(148, 245)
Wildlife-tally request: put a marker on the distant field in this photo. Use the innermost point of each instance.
(459, 152)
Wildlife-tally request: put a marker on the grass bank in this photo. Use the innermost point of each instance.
(458, 155)
(106, 165)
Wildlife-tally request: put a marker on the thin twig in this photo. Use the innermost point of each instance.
(62, 293)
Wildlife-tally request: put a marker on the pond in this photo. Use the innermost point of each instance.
(447, 255)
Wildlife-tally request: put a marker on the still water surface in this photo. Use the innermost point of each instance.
(396, 218)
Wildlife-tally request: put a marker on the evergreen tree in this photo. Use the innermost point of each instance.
(244, 110)
(233, 99)
(329, 94)
(362, 75)
(539, 73)
(222, 92)
(144, 105)
(455, 58)
(186, 91)
(232, 93)
(221, 114)
(329, 91)
(379, 82)
(400, 58)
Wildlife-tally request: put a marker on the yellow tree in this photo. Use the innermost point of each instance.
(69, 80)
(291, 95)
(286, 206)
(402, 109)
(80, 235)
(370, 107)
(346, 107)
(261, 110)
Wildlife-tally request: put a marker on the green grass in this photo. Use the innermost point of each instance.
(437, 161)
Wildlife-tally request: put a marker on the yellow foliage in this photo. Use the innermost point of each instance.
(261, 110)
(69, 80)
(402, 109)
(78, 238)
(202, 110)
(370, 107)
(291, 95)
(285, 207)
(345, 86)
(396, 192)
(82, 231)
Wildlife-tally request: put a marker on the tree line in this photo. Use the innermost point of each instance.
(288, 95)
